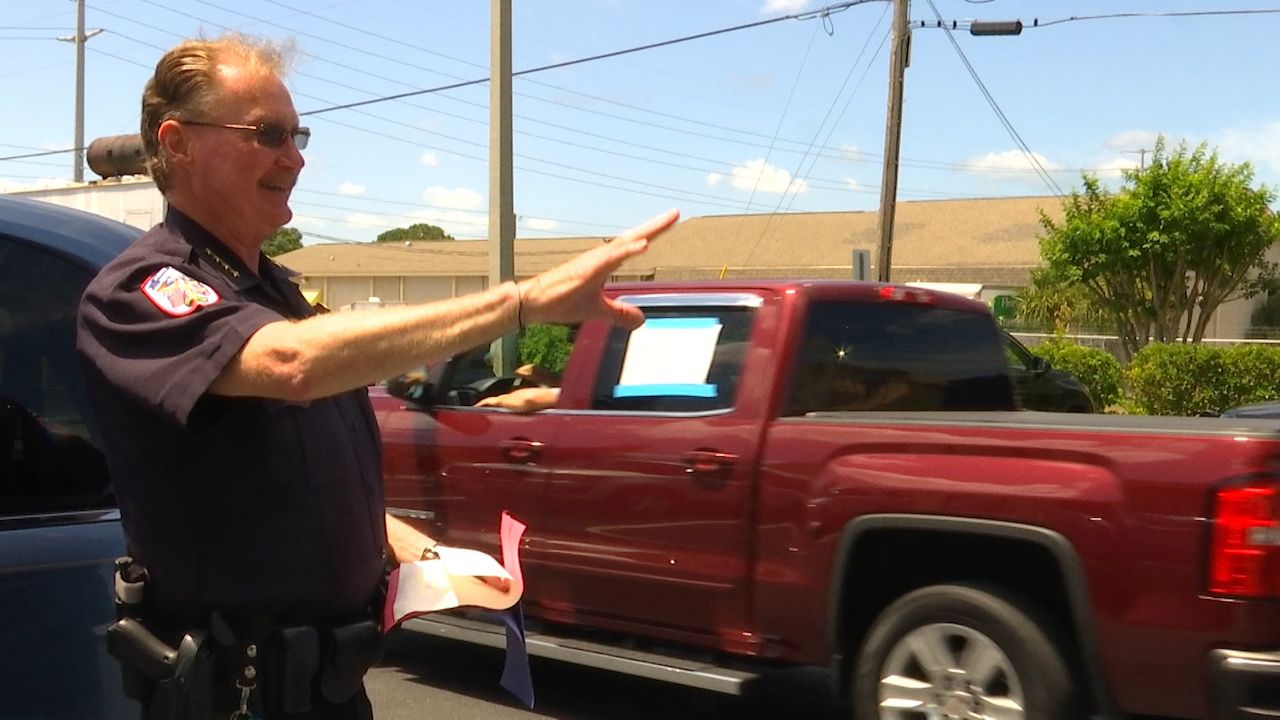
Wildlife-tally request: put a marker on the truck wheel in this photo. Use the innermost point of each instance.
(961, 652)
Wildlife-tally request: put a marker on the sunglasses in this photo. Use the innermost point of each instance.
(266, 134)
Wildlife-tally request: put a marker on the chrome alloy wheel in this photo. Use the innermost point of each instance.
(945, 671)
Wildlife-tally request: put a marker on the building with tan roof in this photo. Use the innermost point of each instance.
(987, 245)
(990, 242)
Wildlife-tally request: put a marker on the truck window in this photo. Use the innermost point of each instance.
(49, 461)
(681, 360)
(470, 377)
(891, 356)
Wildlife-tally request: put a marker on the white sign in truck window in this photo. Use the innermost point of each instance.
(670, 356)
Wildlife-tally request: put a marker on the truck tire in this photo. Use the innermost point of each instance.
(961, 651)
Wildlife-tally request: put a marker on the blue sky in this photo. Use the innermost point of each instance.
(785, 117)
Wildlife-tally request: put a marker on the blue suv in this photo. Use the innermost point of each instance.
(59, 529)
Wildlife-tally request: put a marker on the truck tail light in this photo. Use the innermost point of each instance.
(1244, 554)
(907, 295)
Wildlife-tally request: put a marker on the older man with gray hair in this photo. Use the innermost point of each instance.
(235, 420)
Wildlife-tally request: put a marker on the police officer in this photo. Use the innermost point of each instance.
(243, 448)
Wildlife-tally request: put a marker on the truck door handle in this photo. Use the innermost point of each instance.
(708, 461)
(521, 450)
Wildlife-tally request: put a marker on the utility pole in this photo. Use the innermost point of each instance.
(502, 215)
(899, 58)
(1142, 157)
(80, 37)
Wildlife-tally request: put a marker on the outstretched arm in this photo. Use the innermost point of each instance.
(331, 353)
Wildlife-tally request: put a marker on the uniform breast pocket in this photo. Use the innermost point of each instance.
(287, 447)
(257, 445)
(324, 439)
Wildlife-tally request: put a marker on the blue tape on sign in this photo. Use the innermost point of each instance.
(705, 390)
(691, 323)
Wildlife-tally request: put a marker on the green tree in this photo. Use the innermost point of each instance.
(285, 240)
(418, 231)
(1160, 255)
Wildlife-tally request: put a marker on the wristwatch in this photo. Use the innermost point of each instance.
(429, 553)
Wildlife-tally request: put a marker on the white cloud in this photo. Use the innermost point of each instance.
(1259, 144)
(787, 6)
(348, 188)
(714, 179)
(1010, 163)
(7, 185)
(1108, 170)
(429, 159)
(310, 224)
(1132, 140)
(851, 184)
(541, 224)
(849, 151)
(762, 177)
(458, 198)
(461, 224)
(364, 221)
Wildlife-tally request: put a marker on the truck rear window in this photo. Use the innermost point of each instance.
(890, 356)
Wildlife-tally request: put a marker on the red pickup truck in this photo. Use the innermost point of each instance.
(836, 474)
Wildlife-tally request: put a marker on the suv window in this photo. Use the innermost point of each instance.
(889, 356)
(1018, 356)
(48, 455)
(680, 360)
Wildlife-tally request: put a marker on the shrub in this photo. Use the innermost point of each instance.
(1096, 368)
(1195, 379)
(547, 346)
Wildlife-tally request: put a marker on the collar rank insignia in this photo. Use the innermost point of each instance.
(175, 293)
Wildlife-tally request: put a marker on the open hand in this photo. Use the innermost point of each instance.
(571, 292)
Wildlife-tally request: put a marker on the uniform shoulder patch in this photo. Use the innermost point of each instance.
(175, 293)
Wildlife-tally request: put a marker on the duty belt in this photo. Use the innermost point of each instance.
(219, 668)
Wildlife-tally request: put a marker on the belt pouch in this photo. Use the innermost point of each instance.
(353, 649)
(294, 665)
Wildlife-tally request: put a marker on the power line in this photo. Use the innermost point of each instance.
(37, 154)
(718, 200)
(795, 83)
(862, 157)
(821, 12)
(831, 131)
(419, 48)
(1186, 13)
(995, 106)
(940, 24)
(406, 203)
(118, 57)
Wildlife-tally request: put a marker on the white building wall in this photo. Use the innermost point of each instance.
(426, 289)
(135, 201)
(471, 284)
(341, 291)
(386, 288)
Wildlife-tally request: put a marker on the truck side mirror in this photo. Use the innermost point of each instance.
(413, 386)
(1039, 365)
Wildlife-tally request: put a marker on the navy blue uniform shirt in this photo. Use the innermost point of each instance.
(248, 505)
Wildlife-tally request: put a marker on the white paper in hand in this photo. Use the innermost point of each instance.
(454, 579)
